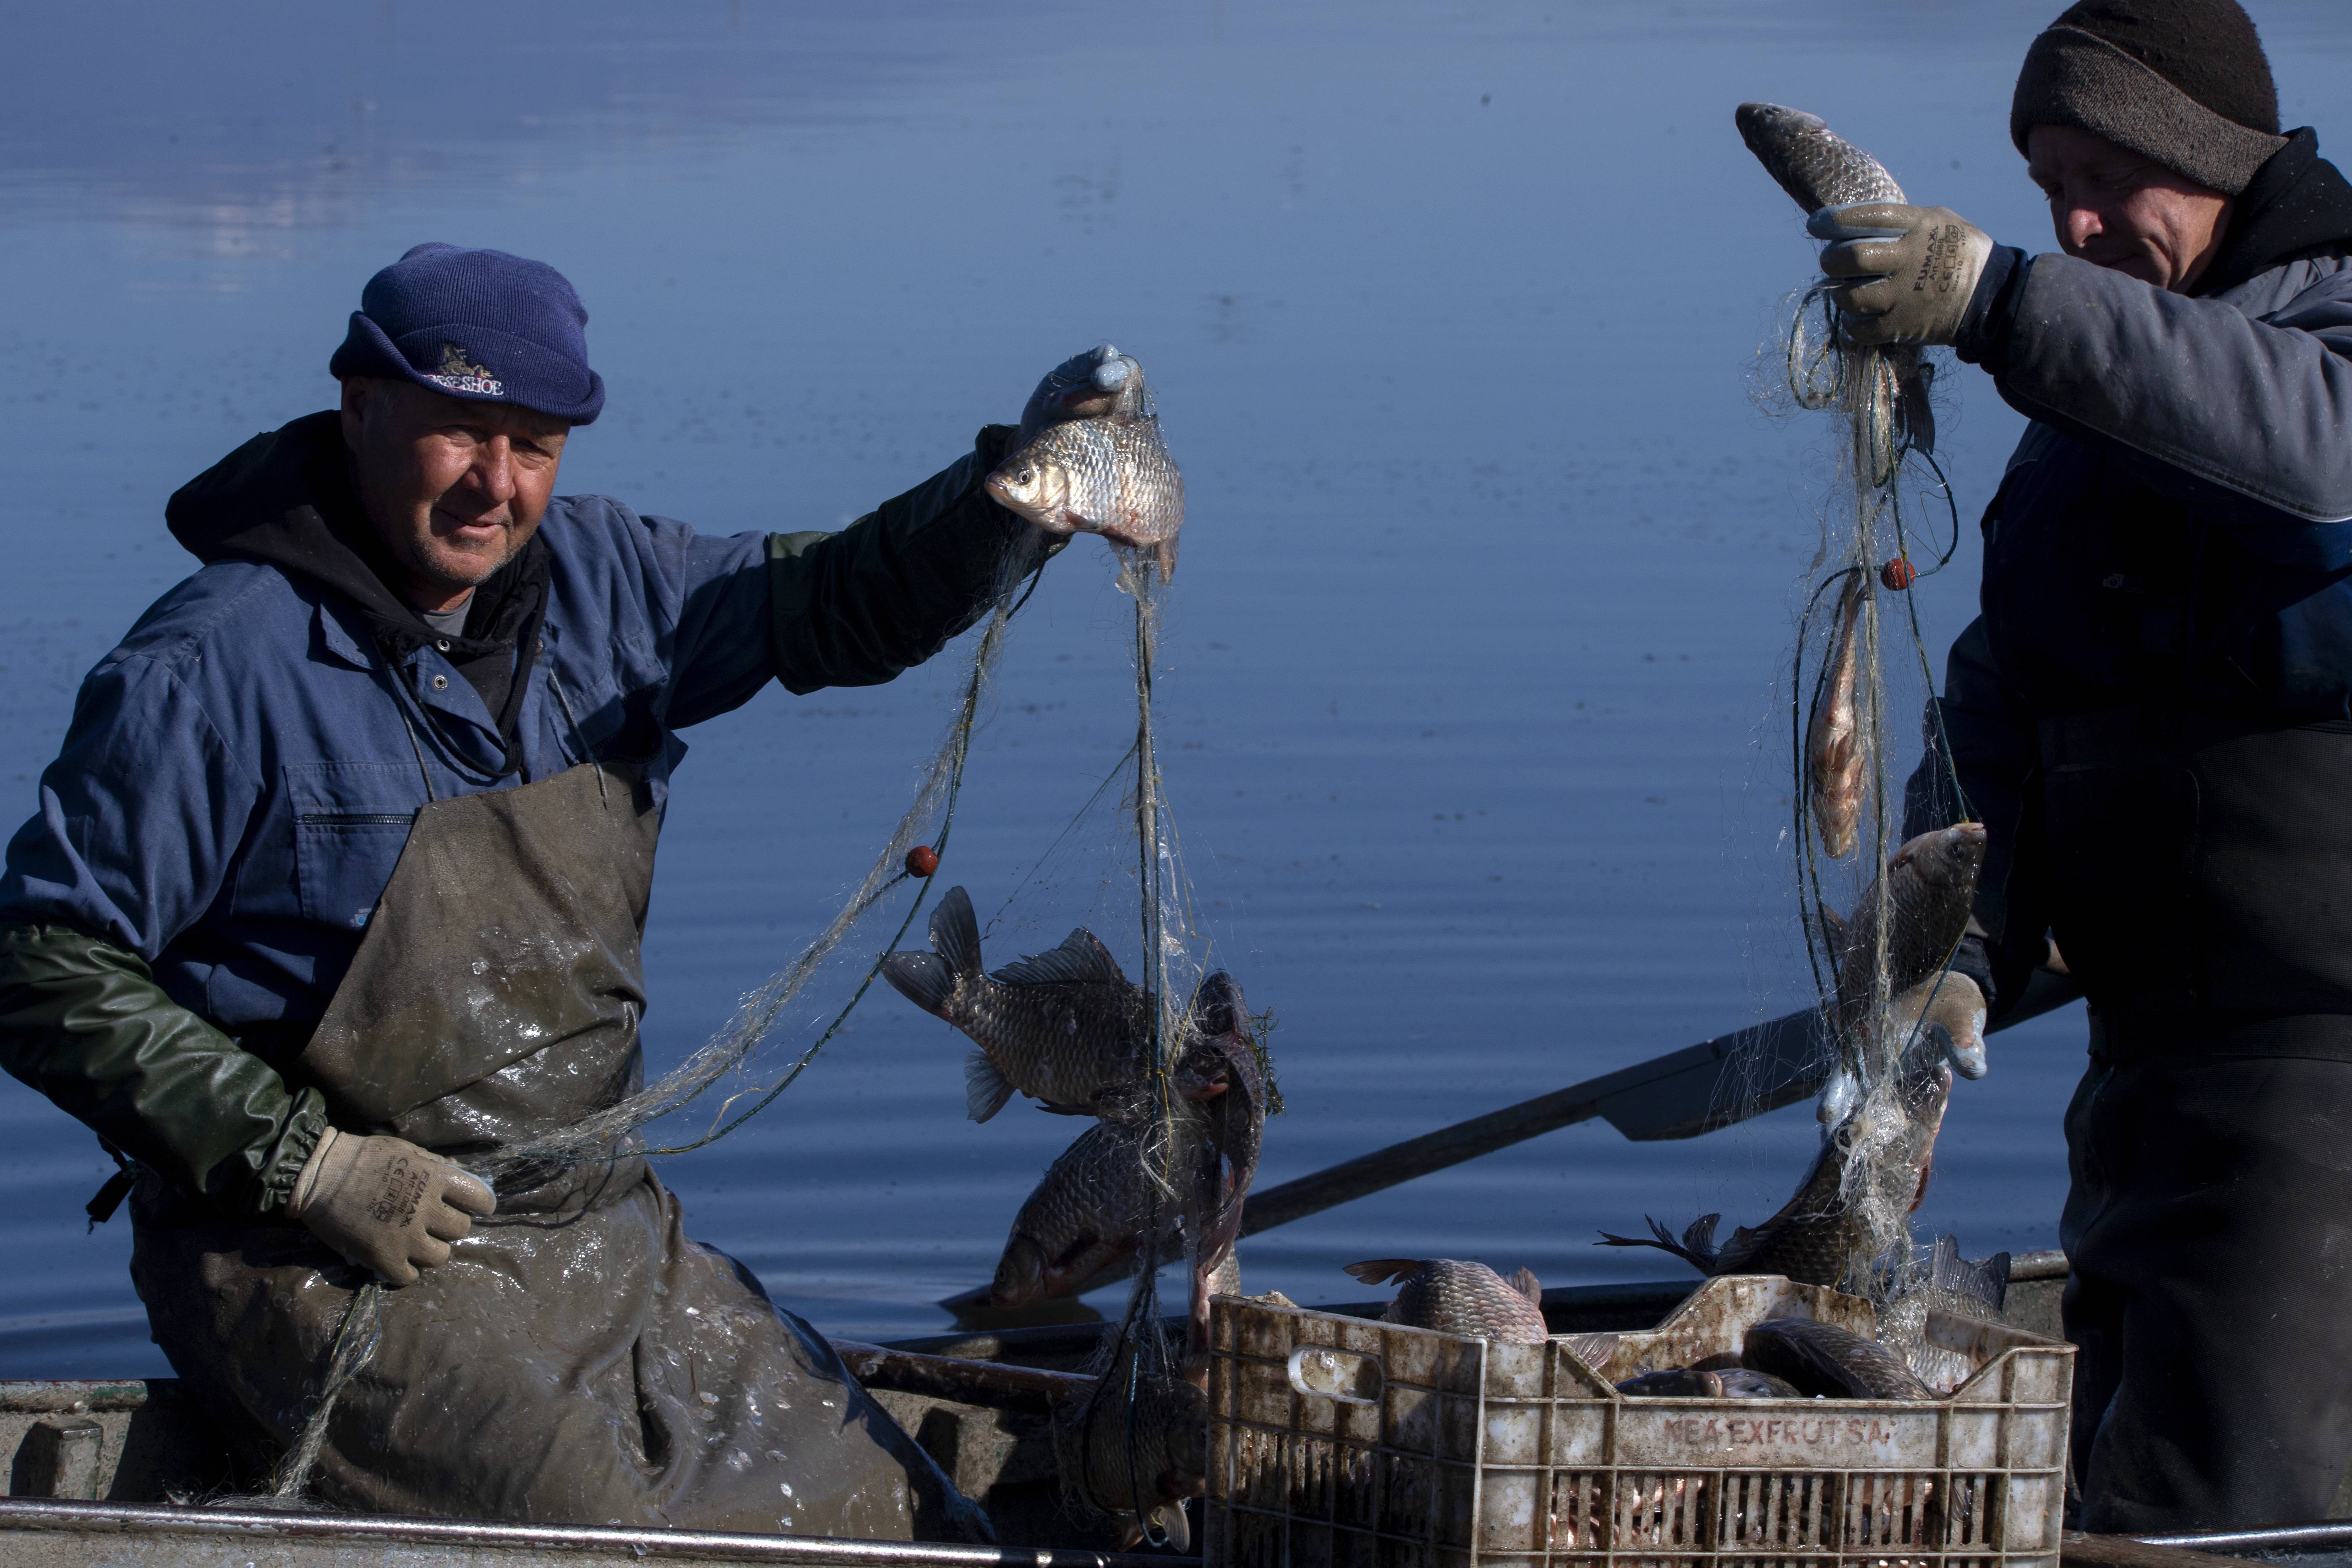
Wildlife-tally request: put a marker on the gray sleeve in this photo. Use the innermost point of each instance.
(2248, 420)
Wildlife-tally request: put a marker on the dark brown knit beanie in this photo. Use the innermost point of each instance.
(2183, 83)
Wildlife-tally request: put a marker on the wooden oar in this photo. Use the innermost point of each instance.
(1683, 1094)
(990, 1383)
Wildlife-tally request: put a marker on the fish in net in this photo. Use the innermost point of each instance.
(1900, 933)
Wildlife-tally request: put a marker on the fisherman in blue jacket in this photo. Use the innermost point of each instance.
(338, 882)
(2153, 717)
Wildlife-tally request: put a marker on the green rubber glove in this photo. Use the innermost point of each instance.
(386, 1203)
(1906, 274)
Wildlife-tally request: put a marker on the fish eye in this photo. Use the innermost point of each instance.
(1026, 477)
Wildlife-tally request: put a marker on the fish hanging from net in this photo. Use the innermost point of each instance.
(1883, 966)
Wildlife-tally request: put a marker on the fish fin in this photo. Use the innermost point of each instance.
(955, 933)
(1384, 1270)
(1055, 1109)
(1523, 1281)
(1175, 1526)
(1081, 960)
(1986, 1282)
(923, 979)
(1701, 1258)
(1992, 1280)
(1165, 550)
(1020, 1273)
(1733, 1255)
(984, 1089)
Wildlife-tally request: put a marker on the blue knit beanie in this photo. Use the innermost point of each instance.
(479, 324)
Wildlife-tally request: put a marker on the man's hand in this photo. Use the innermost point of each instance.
(1083, 386)
(1913, 270)
(386, 1203)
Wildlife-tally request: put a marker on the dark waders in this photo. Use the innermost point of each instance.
(2204, 892)
(578, 1360)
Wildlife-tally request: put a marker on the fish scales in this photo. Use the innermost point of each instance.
(1814, 165)
(1065, 1027)
(1459, 1298)
(1834, 751)
(1822, 1359)
(1111, 475)
(1090, 1209)
(1931, 884)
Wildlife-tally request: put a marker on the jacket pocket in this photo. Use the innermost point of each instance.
(351, 822)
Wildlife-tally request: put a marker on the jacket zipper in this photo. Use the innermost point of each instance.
(354, 818)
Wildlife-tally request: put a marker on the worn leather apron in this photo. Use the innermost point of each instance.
(578, 1360)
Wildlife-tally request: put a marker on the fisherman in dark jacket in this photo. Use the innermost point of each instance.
(2153, 716)
(341, 879)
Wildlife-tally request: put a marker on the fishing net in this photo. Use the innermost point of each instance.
(1115, 866)
(1893, 522)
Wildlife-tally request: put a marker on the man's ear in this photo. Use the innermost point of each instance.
(357, 390)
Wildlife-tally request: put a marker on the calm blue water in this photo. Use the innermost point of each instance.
(1470, 701)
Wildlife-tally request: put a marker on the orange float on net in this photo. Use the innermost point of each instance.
(1898, 574)
(922, 860)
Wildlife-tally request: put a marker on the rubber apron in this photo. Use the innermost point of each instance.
(2201, 872)
(578, 1360)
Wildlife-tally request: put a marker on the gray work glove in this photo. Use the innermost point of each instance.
(1913, 270)
(386, 1203)
(1083, 386)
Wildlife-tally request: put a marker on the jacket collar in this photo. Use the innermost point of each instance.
(2297, 203)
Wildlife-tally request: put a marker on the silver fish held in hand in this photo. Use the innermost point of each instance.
(1818, 169)
(1458, 1297)
(1834, 753)
(1814, 165)
(1110, 475)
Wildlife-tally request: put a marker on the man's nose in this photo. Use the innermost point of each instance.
(493, 471)
(2081, 226)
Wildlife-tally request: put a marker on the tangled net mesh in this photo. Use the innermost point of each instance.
(1888, 486)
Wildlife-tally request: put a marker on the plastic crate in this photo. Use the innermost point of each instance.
(1343, 1441)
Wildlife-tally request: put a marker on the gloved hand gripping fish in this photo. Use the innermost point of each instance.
(1092, 459)
(1820, 169)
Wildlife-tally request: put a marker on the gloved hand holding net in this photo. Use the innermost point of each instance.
(386, 1204)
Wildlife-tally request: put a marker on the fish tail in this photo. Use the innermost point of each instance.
(955, 933)
(1696, 1247)
(921, 978)
(1175, 1526)
(1383, 1271)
